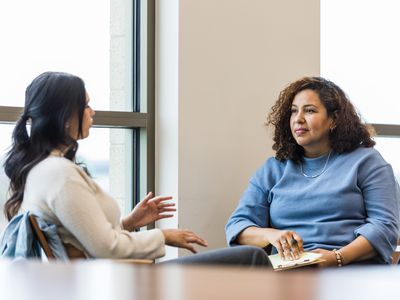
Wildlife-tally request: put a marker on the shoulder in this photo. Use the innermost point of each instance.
(363, 154)
(271, 170)
(368, 163)
(58, 169)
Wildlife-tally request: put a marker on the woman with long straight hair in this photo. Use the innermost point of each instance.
(46, 180)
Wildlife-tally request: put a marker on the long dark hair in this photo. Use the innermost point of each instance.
(51, 100)
(348, 134)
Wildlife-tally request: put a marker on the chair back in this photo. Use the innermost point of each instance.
(396, 254)
(73, 252)
(41, 237)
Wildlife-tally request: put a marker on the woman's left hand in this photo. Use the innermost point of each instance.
(149, 210)
(328, 256)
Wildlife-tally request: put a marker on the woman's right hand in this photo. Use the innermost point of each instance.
(183, 238)
(288, 243)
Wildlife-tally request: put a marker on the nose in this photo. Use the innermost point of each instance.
(299, 117)
(92, 112)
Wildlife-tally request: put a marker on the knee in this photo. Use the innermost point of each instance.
(256, 255)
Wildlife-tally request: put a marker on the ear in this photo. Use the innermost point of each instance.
(333, 122)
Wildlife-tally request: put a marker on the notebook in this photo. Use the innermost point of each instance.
(307, 258)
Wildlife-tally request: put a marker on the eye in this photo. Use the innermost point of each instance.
(293, 110)
(310, 110)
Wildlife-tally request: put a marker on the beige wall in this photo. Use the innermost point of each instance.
(234, 57)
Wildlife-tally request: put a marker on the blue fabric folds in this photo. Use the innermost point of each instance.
(19, 241)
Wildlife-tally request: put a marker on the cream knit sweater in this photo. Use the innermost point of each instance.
(60, 192)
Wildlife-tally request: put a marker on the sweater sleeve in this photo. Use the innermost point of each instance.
(253, 207)
(80, 213)
(381, 198)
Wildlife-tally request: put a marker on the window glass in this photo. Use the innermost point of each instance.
(91, 39)
(5, 142)
(360, 52)
(105, 154)
(389, 148)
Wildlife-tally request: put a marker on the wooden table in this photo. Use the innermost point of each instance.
(30, 280)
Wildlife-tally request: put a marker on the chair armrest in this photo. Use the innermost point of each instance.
(134, 261)
(396, 255)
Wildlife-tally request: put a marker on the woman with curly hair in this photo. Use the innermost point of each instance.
(327, 190)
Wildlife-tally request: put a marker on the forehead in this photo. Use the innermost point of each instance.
(306, 97)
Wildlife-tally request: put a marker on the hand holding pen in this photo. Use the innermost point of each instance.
(290, 245)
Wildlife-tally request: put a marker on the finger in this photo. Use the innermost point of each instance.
(198, 241)
(189, 247)
(294, 249)
(164, 216)
(286, 249)
(166, 210)
(169, 204)
(165, 205)
(148, 197)
(159, 199)
(287, 254)
(299, 241)
(194, 238)
(279, 248)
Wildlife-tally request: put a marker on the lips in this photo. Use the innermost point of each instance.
(299, 131)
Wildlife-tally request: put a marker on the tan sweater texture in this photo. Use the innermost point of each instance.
(63, 194)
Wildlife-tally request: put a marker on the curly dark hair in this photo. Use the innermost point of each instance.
(348, 134)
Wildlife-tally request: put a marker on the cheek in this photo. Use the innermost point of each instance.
(88, 118)
(291, 122)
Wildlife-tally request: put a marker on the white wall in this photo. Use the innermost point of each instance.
(234, 56)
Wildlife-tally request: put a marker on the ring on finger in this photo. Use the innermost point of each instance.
(283, 242)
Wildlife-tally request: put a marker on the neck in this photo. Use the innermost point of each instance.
(60, 150)
(317, 153)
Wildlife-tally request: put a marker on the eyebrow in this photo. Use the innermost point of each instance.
(307, 105)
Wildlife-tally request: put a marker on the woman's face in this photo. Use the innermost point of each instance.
(87, 122)
(310, 124)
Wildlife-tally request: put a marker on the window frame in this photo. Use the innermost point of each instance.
(387, 130)
(134, 120)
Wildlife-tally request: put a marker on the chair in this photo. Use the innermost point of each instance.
(396, 254)
(75, 252)
(41, 237)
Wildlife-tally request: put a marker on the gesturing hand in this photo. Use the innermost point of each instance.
(149, 210)
(183, 239)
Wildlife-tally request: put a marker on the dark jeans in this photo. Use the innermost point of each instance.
(240, 256)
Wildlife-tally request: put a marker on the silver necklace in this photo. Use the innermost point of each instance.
(320, 173)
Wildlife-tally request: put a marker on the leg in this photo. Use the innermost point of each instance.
(240, 255)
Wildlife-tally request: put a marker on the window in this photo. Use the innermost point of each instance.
(362, 57)
(110, 45)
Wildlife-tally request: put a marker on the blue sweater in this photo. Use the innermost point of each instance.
(356, 195)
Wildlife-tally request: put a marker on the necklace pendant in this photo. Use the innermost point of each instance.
(318, 174)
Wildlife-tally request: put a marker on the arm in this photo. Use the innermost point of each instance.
(82, 212)
(358, 250)
(381, 199)
(253, 207)
(377, 237)
(249, 223)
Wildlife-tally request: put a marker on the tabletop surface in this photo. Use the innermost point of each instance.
(103, 279)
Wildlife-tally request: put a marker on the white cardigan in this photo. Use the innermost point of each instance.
(61, 193)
